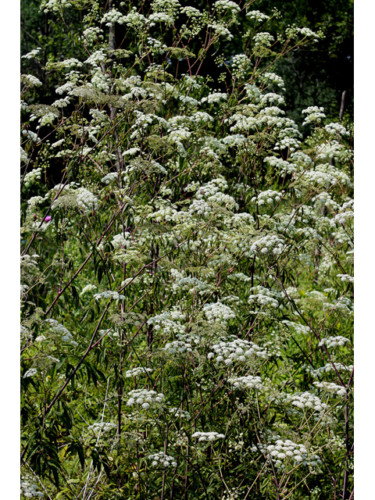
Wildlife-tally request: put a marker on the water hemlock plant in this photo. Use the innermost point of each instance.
(187, 262)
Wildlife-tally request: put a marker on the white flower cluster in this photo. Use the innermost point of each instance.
(130, 152)
(134, 19)
(192, 187)
(246, 382)
(224, 5)
(55, 5)
(191, 12)
(240, 65)
(208, 436)
(214, 97)
(298, 328)
(346, 278)
(342, 304)
(178, 413)
(287, 143)
(263, 39)
(272, 79)
(121, 240)
(308, 33)
(30, 373)
(107, 179)
(109, 294)
(200, 118)
(113, 16)
(32, 54)
(306, 400)
(29, 261)
(333, 341)
(272, 98)
(272, 111)
(325, 175)
(100, 81)
(191, 83)
(90, 35)
(224, 200)
(134, 372)
(342, 218)
(32, 177)
(285, 451)
(46, 119)
(136, 93)
(215, 186)
(156, 166)
(268, 197)
(290, 131)
(234, 140)
(23, 156)
(339, 390)
(301, 159)
(60, 103)
(31, 80)
(160, 17)
(155, 46)
(271, 244)
(257, 16)
(178, 135)
(283, 166)
(231, 299)
(178, 347)
(168, 322)
(218, 312)
(264, 297)
(188, 284)
(96, 58)
(34, 201)
(162, 460)
(236, 350)
(61, 141)
(336, 129)
(87, 289)
(69, 63)
(98, 116)
(231, 494)
(324, 199)
(165, 213)
(314, 114)
(145, 398)
(100, 427)
(328, 368)
(221, 30)
(86, 200)
(141, 123)
(66, 88)
(240, 277)
(241, 219)
(170, 6)
(188, 100)
(56, 327)
(28, 487)
(329, 151)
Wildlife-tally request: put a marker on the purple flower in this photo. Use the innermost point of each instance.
(48, 218)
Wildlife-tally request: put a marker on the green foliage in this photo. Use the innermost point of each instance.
(187, 260)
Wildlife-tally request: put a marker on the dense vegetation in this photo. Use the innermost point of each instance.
(187, 252)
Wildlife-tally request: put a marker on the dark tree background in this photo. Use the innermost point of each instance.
(314, 75)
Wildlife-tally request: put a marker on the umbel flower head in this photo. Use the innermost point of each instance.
(145, 399)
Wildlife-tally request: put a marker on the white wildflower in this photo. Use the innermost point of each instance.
(145, 397)
(162, 460)
(208, 436)
(247, 382)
